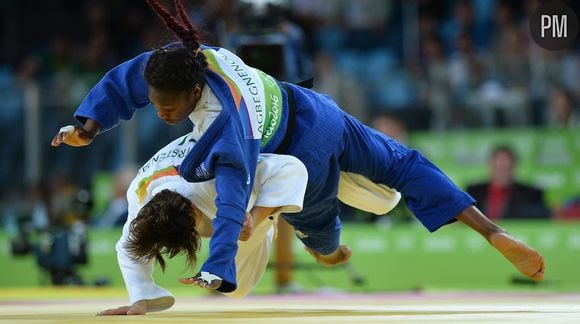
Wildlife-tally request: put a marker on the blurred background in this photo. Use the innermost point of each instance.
(462, 81)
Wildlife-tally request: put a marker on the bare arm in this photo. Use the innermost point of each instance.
(253, 219)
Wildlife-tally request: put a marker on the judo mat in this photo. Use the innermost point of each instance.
(442, 307)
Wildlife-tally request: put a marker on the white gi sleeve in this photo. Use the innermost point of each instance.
(282, 182)
(138, 277)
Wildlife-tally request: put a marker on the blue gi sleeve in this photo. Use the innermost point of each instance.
(117, 95)
(232, 159)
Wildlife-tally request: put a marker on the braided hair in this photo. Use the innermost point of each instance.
(176, 68)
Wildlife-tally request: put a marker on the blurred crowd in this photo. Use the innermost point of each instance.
(433, 65)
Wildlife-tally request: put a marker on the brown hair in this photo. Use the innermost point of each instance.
(165, 225)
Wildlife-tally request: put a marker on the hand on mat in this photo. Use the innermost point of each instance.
(341, 255)
(203, 280)
(139, 308)
(248, 229)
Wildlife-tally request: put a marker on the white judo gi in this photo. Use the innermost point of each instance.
(280, 182)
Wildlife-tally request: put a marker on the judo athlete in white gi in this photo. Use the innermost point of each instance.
(280, 184)
(279, 187)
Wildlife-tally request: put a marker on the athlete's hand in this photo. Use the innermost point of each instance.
(203, 280)
(76, 135)
(248, 228)
(139, 308)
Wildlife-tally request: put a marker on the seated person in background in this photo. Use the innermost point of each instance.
(116, 212)
(562, 111)
(502, 197)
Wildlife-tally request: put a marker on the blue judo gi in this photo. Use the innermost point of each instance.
(327, 141)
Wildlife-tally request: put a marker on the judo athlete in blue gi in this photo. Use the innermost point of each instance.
(242, 111)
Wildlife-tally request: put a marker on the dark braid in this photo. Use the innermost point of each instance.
(188, 25)
(176, 68)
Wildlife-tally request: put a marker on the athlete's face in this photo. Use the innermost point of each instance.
(174, 106)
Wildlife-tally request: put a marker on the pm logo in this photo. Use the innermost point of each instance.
(554, 26)
(557, 24)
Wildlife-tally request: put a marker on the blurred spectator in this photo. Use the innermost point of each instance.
(570, 210)
(366, 22)
(321, 21)
(435, 83)
(561, 110)
(391, 125)
(39, 198)
(466, 74)
(11, 129)
(462, 21)
(116, 212)
(464, 63)
(504, 99)
(503, 197)
(344, 89)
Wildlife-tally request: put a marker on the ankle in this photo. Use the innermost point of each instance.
(495, 233)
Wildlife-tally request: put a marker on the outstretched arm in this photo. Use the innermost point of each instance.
(77, 135)
(116, 97)
(232, 159)
(144, 295)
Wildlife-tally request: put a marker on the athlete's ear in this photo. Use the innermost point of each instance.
(195, 93)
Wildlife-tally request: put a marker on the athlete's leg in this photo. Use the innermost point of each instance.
(359, 192)
(430, 194)
(340, 256)
(318, 225)
(527, 260)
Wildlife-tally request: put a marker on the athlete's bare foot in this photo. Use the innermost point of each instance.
(529, 261)
(341, 255)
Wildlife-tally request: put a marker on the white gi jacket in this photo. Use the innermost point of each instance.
(280, 182)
